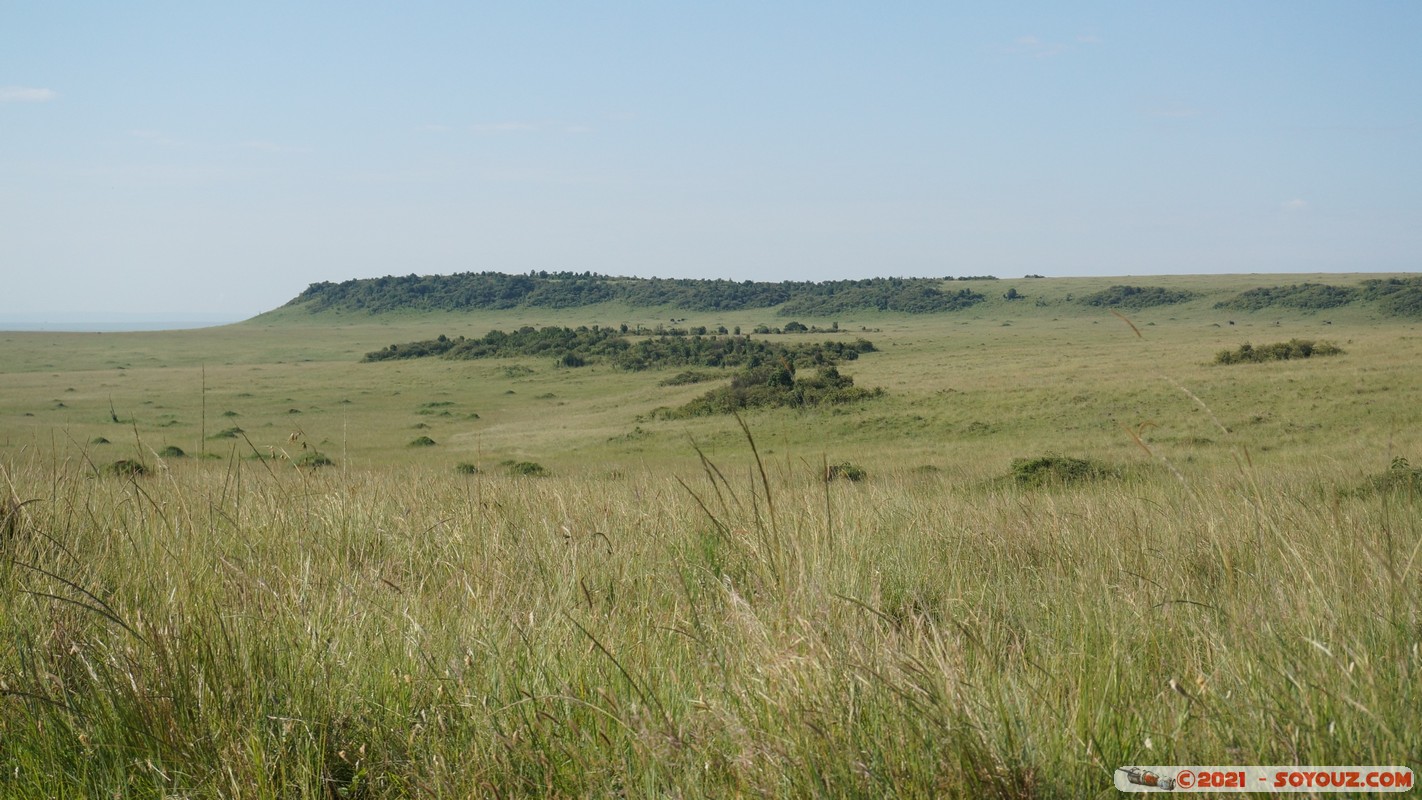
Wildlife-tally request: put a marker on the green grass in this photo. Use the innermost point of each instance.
(677, 609)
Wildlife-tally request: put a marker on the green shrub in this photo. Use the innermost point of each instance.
(1399, 477)
(98, 440)
(313, 459)
(776, 386)
(1279, 351)
(422, 441)
(1397, 296)
(227, 433)
(125, 468)
(465, 468)
(1137, 297)
(1306, 296)
(531, 469)
(845, 470)
(688, 377)
(1059, 470)
(172, 451)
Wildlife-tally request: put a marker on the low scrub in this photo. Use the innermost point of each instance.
(422, 441)
(1306, 296)
(172, 451)
(1059, 470)
(1399, 477)
(313, 460)
(575, 347)
(531, 469)
(911, 295)
(1399, 297)
(845, 471)
(776, 386)
(124, 468)
(688, 377)
(1279, 351)
(1137, 297)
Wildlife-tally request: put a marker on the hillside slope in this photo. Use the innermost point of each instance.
(1392, 295)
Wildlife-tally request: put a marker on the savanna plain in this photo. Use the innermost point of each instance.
(242, 562)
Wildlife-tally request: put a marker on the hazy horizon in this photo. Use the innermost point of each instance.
(121, 321)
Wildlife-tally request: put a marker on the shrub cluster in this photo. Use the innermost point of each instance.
(913, 295)
(1399, 477)
(312, 460)
(775, 386)
(1279, 351)
(1059, 470)
(1401, 297)
(845, 471)
(573, 347)
(1307, 296)
(125, 468)
(688, 377)
(1137, 297)
(493, 290)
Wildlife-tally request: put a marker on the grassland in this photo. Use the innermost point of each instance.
(685, 608)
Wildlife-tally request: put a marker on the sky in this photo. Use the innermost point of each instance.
(186, 159)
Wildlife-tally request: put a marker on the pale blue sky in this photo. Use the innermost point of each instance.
(217, 158)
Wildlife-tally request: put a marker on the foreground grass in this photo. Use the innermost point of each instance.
(221, 629)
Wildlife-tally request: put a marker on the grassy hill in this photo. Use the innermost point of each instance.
(1390, 295)
(1072, 541)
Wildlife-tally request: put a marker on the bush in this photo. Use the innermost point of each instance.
(1397, 296)
(688, 377)
(1306, 296)
(1137, 297)
(531, 469)
(776, 386)
(845, 470)
(172, 451)
(422, 441)
(1058, 470)
(1279, 351)
(313, 460)
(125, 468)
(1399, 477)
(98, 440)
(465, 468)
(227, 433)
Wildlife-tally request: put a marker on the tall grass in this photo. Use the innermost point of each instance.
(741, 628)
